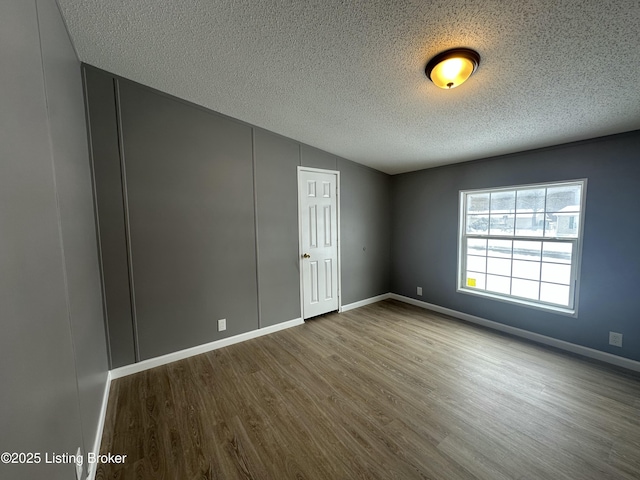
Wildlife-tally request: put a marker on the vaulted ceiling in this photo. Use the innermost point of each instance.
(348, 76)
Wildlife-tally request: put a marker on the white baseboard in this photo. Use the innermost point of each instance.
(536, 337)
(172, 357)
(207, 347)
(366, 301)
(91, 467)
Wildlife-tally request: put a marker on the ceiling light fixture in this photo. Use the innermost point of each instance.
(452, 67)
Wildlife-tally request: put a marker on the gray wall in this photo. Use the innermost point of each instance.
(209, 227)
(189, 181)
(276, 162)
(425, 224)
(365, 227)
(101, 108)
(53, 362)
(315, 158)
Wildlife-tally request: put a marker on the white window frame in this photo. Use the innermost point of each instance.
(572, 309)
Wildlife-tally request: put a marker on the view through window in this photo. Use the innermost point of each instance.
(522, 243)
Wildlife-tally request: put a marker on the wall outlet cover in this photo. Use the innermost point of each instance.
(615, 339)
(222, 324)
(419, 290)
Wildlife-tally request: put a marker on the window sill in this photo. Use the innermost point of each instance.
(568, 312)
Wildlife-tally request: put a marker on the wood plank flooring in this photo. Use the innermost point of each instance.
(387, 391)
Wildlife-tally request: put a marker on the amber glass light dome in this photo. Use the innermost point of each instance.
(451, 68)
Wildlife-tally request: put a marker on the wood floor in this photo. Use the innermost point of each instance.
(387, 391)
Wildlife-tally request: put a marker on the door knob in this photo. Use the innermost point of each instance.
(306, 255)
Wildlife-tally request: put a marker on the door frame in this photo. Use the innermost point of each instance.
(300, 247)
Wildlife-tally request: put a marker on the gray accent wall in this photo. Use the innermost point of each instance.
(53, 361)
(365, 225)
(101, 108)
(189, 183)
(68, 134)
(200, 211)
(425, 229)
(276, 176)
(316, 158)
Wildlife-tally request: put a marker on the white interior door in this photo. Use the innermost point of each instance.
(318, 209)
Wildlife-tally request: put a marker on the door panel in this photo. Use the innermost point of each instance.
(327, 226)
(328, 277)
(313, 279)
(313, 226)
(319, 241)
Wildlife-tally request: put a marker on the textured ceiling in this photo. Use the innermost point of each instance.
(348, 76)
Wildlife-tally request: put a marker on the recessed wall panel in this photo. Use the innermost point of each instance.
(276, 161)
(189, 185)
(103, 125)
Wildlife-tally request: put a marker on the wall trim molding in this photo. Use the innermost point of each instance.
(518, 332)
(197, 350)
(366, 301)
(91, 468)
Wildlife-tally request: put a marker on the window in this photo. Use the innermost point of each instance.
(522, 244)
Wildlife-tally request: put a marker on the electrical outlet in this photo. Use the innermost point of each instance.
(419, 291)
(615, 339)
(222, 324)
